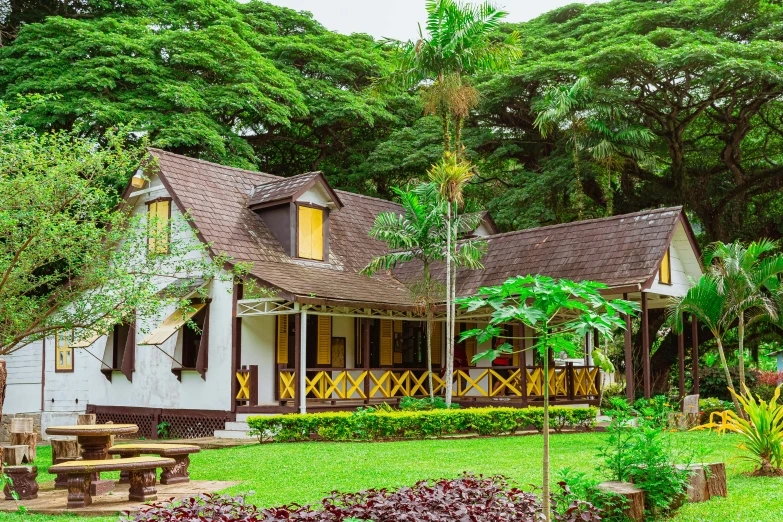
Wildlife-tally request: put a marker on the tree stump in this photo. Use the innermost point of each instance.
(16, 455)
(697, 490)
(716, 479)
(86, 419)
(63, 451)
(27, 439)
(634, 498)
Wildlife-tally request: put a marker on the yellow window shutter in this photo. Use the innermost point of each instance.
(435, 343)
(311, 233)
(282, 339)
(324, 340)
(666, 269)
(515, 343)
(386, 342)
(470, 344)
(305, 244)
(317, 234)
(158, 215)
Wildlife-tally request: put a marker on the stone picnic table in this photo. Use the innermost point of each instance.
(95, 441)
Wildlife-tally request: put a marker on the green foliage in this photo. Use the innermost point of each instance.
(712, 405)
(656, 411)
(761, 427)
(615, 390)
(416, 424)
(425, 404)
(712, 382)
(72, 259)
(164, 430)
(637, 450)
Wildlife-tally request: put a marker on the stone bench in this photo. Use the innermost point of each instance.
(141, 473)
(179, 452)
(22, 482)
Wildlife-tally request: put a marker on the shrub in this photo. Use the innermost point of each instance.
(712, 382)
(479, 499)
(762, 431)
(615, 390)
(425, 404)
(656, 411)
(375, 425)
(710, 405)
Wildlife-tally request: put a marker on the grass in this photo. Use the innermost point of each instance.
(274, 474)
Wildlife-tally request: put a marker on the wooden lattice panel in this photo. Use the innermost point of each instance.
(191, 427)
(145, 422)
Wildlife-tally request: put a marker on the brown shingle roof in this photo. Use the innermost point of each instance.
(618, 251)
(279, 189)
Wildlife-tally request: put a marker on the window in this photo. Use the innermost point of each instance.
(310, 239)
(191, 340)
(63, 353)
(158, 215)
(666, 270)
(119, 342)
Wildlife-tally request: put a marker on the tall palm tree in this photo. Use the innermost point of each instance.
(415, 234)
(456, 45)
(749, 278)
(706, 301)
(449, 176)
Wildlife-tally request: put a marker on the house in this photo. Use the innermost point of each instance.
(323, 336)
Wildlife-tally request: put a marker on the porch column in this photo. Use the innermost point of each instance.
(301, 362)
(629, 391)
(523, 363)
(236, 343)
(681, 357)
(695, 353)
(646, 347)
(366, 357)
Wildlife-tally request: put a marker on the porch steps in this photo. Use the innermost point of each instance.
(237, 429)
(234, 430)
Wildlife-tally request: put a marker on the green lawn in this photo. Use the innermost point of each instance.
(274, 474)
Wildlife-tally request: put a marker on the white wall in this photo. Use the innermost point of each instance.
(66, 394)
(684, 266)
(316, 195)
(258, 347)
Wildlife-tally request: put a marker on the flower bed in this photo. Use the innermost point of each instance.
(378, 425)
(479, 499)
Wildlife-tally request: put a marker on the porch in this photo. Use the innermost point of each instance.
(351, 357)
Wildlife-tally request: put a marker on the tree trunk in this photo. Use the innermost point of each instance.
(578, 175)
(449, 351)
(3, 378)
(545, 491)
(446, 136)
(728, 376)
(458, 138)
(609, 194)
(741, 353)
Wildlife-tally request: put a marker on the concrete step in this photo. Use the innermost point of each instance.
(233, 434)
(237, 426)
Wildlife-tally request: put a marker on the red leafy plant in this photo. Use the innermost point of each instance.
(769, 378)
(468, 498)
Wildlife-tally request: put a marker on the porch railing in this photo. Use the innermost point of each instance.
(334, 384)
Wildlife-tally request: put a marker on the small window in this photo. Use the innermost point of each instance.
(191, 340)
(63, 353)
(311, 233)
(158, 215)
(666, 270)
(119, 342)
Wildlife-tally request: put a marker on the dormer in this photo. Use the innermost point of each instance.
(296, 210)
(478, 224)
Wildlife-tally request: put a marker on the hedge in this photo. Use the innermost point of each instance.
(362, 425)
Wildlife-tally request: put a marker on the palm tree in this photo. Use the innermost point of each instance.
(614, 142)
(449, 177)
(749, 277)
(416, 234)
(565, 105)
(706, 301)
(456, 45)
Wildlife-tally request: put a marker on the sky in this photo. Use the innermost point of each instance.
(398, 18)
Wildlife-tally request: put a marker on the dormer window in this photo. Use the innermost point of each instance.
(296, 211)
(310, 232)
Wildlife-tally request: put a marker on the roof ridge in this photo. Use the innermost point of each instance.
(169, 153)
(586, 221)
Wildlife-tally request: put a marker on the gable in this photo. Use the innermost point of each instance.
(684, 265)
